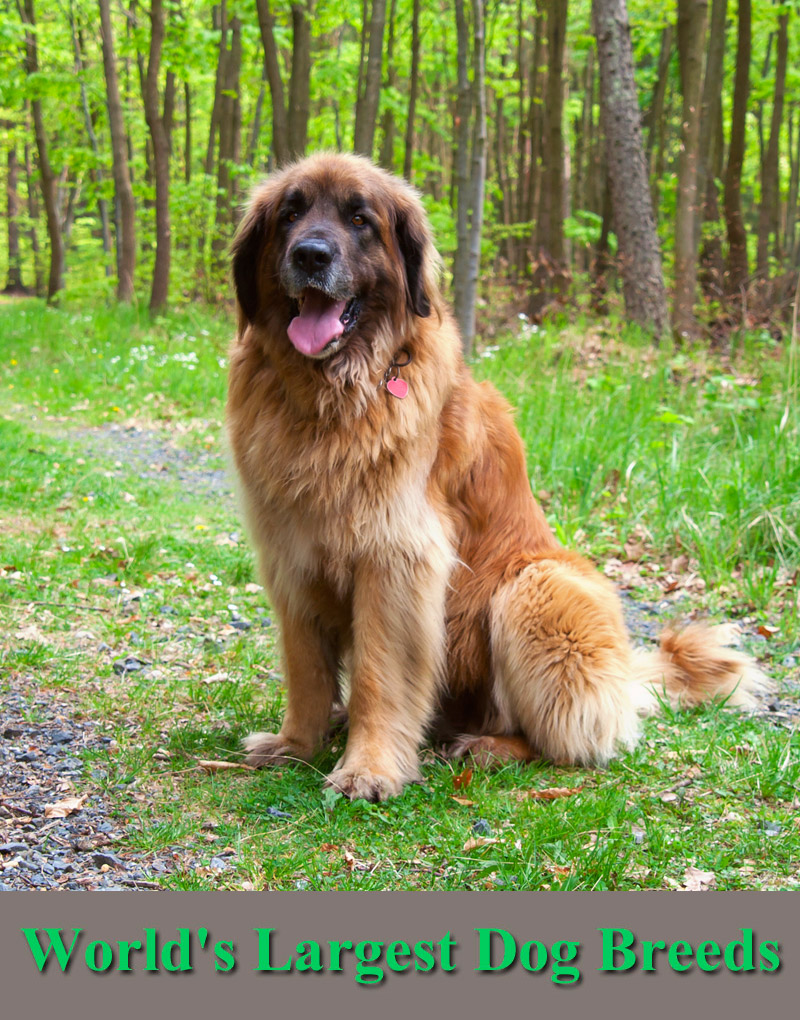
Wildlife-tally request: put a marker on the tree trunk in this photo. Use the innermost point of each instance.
(386, 158)
(123, 192)
(229, 128)
(300, 80)
(158, 135)
(187, 133)
(654, 118)
(56, 276)
(220, 16)
(33, 216)
(711, 152)
(14, 278)
(550, 273)
(255, 127)
(367, 108)
(770, 181)
(280, 125)
(794, 187)
(466, 320)
(692, 16)
(97, 171)
(638, 249)
(461, 136)
(736, 267)
(412, 95)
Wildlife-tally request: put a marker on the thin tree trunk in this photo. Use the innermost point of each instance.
(14, 276)
(97, 172)
(770, 183)
(123, 192)
(638, 249)
(255, 127)
(280, 124)
(794, 186)
(654, 117)
(466, 318)
(386, 158)
(712, 145)
(187, 133)
(408, 159)
(158, 135)
(736, 267)
(692, 16)
(230, 115)
(461, 137)
(367, 108)
(33, 216)
(300, 80)
(56, 276)
(219, 14)
(550, 274)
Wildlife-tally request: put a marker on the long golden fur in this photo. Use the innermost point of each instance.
(398, 539)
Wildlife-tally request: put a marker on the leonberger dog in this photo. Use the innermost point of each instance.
(413, 574)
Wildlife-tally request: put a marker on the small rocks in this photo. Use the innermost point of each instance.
(61, 737)
(241, 624)
(130, 664)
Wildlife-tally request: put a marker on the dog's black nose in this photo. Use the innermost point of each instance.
(313, 254)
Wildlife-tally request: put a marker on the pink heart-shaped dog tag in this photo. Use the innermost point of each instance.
(397, 387)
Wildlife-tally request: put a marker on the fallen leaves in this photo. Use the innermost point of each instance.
(695, 880)
(462, 780)
(65, 808)
(478, 841)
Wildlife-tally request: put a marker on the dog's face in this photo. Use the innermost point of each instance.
(329, 249)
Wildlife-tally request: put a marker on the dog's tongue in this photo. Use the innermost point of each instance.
(317, 324)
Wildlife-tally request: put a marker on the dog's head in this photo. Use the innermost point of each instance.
(329, 249)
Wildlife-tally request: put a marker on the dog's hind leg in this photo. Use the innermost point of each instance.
(562, 662)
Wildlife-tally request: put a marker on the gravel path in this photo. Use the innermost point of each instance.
(45, 751)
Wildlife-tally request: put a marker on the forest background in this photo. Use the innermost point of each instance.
(134, 132)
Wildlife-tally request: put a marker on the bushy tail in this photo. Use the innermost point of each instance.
(692, 666)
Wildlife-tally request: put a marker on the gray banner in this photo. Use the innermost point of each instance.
(720, 952)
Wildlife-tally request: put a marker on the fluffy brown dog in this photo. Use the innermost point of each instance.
(397, 535)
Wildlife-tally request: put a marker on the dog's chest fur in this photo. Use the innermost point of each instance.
(324, 491)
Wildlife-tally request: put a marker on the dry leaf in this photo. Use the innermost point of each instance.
(461, 781)
(66, 807)
(463, 801)
(554, 792)
(695, 880)
(473, 844)
(768, 632)
(222, 766)
(558, 869)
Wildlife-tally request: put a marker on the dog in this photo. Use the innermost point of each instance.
(388, 501)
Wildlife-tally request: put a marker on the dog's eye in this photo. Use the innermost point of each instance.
(358, 220)
(292, 216)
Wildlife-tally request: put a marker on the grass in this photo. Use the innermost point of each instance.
(678, 471)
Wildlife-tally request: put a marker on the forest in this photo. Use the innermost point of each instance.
(569, 153)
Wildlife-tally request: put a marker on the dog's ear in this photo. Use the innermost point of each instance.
(415, 245)
(247, 250)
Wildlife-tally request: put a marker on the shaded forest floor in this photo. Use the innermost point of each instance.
(135, 642)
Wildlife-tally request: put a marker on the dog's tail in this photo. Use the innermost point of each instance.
(692, 666)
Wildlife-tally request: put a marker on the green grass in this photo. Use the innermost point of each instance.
(681, 469)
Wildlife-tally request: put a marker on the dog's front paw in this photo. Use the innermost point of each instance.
(264, 749)
(362, 784)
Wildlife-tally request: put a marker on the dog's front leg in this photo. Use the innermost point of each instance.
(398, 659)
(311, 685)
